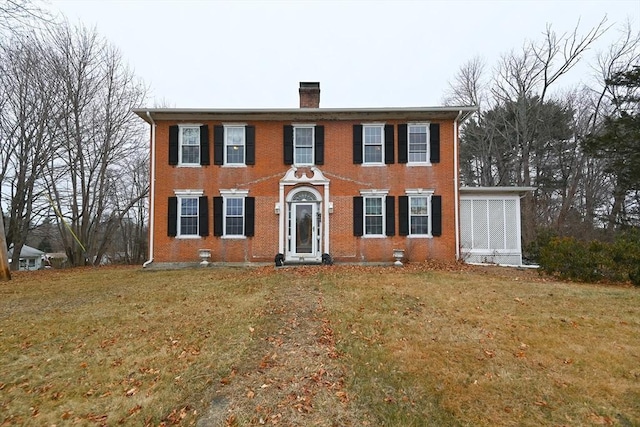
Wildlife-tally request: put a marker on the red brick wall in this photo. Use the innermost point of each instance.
(262, 181)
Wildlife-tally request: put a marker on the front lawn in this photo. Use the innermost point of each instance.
(339, 345)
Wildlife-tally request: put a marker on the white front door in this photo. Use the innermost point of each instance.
(304, 231)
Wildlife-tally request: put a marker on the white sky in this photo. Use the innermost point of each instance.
(253, 54)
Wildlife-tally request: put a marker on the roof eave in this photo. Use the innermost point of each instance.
(407, 113)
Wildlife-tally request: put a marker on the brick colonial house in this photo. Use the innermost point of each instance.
(304, 185)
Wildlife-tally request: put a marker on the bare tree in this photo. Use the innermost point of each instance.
(525, 133)
(18, 15)
(26, 120)
(98, 135)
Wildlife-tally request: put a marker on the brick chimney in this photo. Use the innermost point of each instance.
(309, 95)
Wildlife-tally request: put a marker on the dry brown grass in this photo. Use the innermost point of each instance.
(316, 346)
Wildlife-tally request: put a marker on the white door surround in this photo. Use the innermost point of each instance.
(303, 216)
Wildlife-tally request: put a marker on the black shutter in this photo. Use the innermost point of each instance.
(390, 216)
(357, 216)
(288, 144)
(249, 216)
(218, 145)
(389, 143)
(319, 148)
(204, 145)
(357, 144)
(250, 135)
(217, 216)
(172, 217)
(434, 147)
(436, 215)
(173, 145)
(203, 216)
(403, 146)
(403, 215)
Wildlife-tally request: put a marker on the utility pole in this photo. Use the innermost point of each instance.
(5, 274)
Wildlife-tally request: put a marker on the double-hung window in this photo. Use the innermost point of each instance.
(373, 144)
(303, 145)
(373, 216)
(419, 215)
(234, 142)
(188, 216)
(189, 141)
(418, 143)
(233, 214)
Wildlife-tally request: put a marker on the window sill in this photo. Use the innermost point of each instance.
(231, 237)
(189, 165)
(238, 165)
(374, 236)
(189, 237)
(368, 165)
(420, 236)
(418, 164)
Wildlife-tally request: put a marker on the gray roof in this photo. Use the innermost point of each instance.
(496, 190)
(390, 113)
(26, 252)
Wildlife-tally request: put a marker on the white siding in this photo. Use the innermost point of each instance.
(490, 229)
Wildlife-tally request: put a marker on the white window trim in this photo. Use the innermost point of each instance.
(419, 192)
(370, 194)
(382, 144)
(225, 163)
(180, 128)
(313, 143)
(428, 161)
(187, 194)
(235, 194)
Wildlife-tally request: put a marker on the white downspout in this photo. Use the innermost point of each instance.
(456, 184)
(152, 191)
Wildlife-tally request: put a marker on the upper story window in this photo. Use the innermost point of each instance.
(234, 142)
(189, 145)
(373, 143)
(418, 143)
(303, 145)
(189, 141)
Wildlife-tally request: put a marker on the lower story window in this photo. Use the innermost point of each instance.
(373, 216)
(419, 215)
(234, 216)
(188, 216)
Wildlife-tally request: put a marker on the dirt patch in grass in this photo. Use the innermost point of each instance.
(295, 376)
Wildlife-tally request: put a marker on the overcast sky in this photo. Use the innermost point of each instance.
(253, 54)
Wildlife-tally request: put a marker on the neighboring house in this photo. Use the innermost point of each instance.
(30, 258)
(304, 185)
